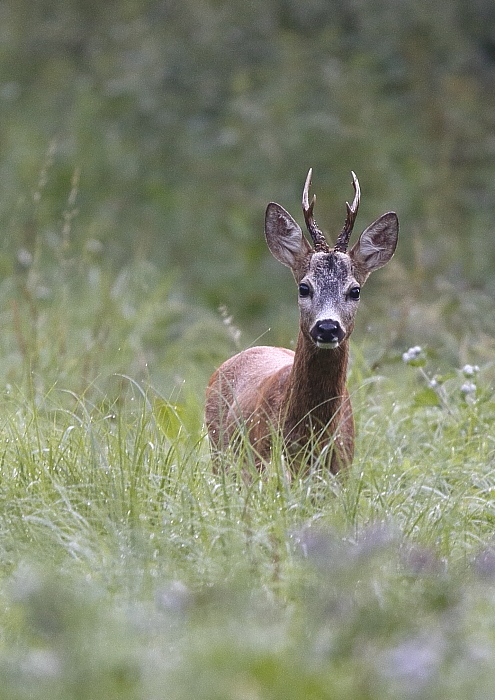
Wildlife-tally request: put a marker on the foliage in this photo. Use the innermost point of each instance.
(130, 570)
(183, 121)
(140, 141)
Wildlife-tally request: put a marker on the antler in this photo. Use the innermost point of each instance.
(345, 234)
(321, 246)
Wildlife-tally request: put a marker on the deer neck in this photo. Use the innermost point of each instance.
(317, 383)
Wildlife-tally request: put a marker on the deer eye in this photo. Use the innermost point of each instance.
(354, 293)
(304, 290)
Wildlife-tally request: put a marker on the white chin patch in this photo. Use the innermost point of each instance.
(328, 346)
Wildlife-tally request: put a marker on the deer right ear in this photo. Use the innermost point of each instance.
(284, 237)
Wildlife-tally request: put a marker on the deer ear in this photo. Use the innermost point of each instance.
(284, 237)
(376, 244)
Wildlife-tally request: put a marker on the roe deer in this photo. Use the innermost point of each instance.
(303, 394)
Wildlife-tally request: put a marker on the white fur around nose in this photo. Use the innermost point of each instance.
(329, 313)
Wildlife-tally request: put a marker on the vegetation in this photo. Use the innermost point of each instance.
(139, 145)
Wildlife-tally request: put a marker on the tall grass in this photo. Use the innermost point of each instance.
(130, 568)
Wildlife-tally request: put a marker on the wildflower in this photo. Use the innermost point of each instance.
(469, 391)
(470, 370)
(24, 257)
(412, 354)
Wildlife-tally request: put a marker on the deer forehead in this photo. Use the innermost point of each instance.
(331, 269)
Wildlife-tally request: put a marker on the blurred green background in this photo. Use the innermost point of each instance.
(140, 143)
(158, 131)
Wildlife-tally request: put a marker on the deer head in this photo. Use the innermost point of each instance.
(329, 279)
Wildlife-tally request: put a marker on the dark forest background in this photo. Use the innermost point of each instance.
(158, 131)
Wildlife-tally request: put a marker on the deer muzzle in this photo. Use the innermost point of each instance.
(327, 333)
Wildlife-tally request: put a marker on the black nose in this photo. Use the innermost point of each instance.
(327, 331)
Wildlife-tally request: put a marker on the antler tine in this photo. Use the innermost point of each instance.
(345, 234)
(318, 238)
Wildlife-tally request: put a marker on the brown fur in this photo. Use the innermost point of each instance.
(302, 395)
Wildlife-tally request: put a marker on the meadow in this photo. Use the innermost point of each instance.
(140, 143)
(131, 570)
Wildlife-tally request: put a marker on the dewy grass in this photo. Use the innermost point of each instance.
(131, 568)
(128, 561)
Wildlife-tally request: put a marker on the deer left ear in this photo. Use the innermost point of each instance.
(376, 245)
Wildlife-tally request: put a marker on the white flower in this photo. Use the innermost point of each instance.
(468, 388)
(24, 257)
(470, 370)
(411, 354)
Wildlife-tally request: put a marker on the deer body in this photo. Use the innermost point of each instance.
(303, 394)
